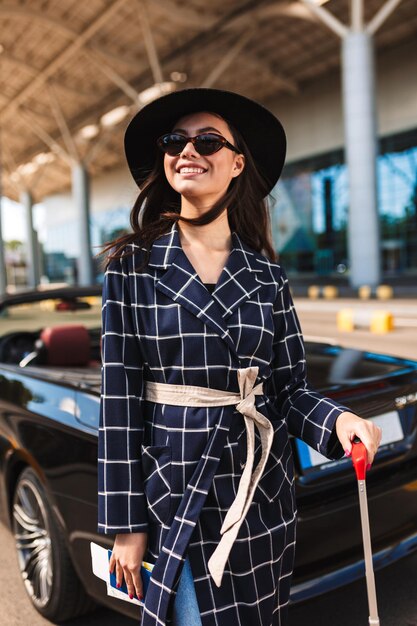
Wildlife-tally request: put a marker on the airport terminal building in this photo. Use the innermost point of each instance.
(341, 75)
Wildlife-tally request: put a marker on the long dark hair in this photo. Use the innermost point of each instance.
(158, 206)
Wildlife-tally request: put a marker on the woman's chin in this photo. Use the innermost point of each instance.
(192, 188)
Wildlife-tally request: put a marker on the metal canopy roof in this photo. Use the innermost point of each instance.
(63, 65)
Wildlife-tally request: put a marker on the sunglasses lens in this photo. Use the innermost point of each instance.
(172, 144)
(207, 144)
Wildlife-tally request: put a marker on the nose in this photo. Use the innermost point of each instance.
(189, 150)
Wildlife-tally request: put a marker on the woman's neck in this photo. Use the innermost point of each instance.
(215, 236)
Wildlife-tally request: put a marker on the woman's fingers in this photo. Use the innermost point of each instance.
(132, 577)
(349, 426)
(370, 435)
(112, 563)
(119, 574)
(128, 551)
(129, 582)
(137, 583)
(371, 438)
(133, 581)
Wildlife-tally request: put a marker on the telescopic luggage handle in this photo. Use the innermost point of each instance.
(359, 460)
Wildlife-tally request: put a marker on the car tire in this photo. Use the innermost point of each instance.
(47, 571)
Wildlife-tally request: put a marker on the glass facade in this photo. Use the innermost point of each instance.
(310, 210)
(61, 243)
(107, 226)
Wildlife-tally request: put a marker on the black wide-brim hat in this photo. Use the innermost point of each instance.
(261, 130)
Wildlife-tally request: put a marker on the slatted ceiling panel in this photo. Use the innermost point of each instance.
(38, 44)
(122, 57)
(187, 42)
(75, 14)
(174, 31)
(14, 79)
(308, 64)
(371, 7)
(17, 137)
(169, 39)
(12, 32)
(202, 7)
(72, 88)
(40, 111)
(125, 27)
(398, 30)
(21, 74)
(81, 72)
(167, 36)
(309, 61)
(78, 14)
(342, 10)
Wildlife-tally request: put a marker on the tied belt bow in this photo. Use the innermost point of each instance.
(190, 395)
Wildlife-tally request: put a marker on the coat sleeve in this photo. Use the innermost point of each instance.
(121, 500)
(310, 416)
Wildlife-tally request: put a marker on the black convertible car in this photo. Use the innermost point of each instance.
(49, 413)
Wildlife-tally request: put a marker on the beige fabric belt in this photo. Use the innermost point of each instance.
(194, 396)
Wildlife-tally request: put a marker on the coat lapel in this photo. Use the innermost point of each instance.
(237, 282)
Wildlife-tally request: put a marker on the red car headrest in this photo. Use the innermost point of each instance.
(66, 345)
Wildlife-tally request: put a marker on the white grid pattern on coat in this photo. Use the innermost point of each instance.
(174, 471)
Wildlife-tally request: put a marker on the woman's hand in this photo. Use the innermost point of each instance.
(127, 557)
(349, 426)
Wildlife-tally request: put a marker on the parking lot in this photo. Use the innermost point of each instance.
(344, 607)
(319, 321)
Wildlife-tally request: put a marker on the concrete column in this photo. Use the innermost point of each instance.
(360, 142)
(32, 261)
(80, 191)
(3, 275)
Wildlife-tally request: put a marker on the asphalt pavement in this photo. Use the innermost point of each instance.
(396, 590)
(396, 585)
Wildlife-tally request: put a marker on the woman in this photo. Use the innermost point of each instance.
(204, 372)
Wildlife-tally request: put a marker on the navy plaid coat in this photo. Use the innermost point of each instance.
(174, 471)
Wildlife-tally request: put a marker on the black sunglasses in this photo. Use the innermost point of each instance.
(205, 143)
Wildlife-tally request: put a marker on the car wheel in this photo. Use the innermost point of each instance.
(45, 565)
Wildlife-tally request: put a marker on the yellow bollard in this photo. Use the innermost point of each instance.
(47, 305)
(92, 300)
(384, 292)
(364, 292)
(330, 292)
(313, 292)
(382, 322)
(345, 320)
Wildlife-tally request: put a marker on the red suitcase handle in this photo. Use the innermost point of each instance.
(359, 459)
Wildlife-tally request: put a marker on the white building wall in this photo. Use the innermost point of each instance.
(313, 118)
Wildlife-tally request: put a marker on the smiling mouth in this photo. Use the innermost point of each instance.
(191, 170)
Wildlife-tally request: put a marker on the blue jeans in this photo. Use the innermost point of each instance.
(186, 611)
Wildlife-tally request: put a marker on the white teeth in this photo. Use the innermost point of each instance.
(191, 170)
